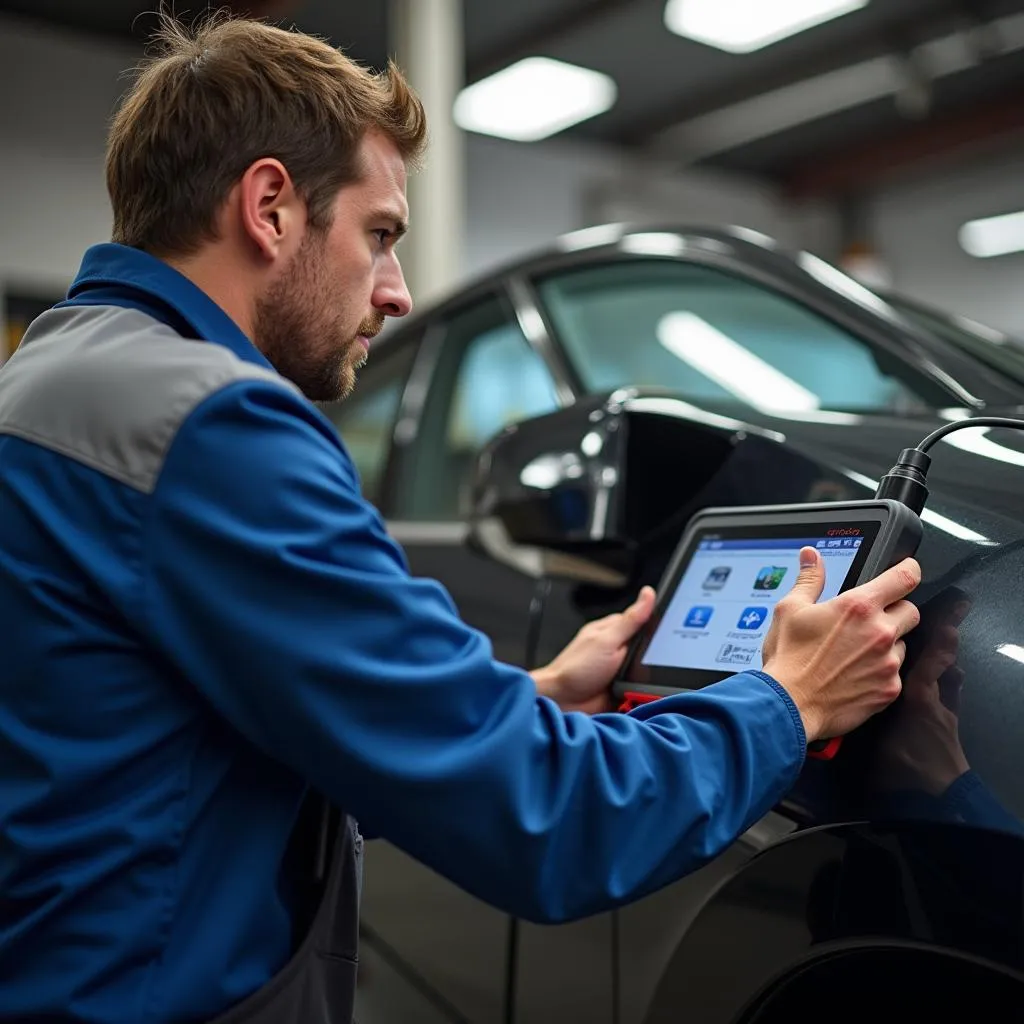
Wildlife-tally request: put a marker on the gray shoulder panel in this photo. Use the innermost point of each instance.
(109, 387)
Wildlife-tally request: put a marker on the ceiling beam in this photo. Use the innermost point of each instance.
(542, 36)
(855, 47)
(855, 168)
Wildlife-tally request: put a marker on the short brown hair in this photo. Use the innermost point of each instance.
(212, 99)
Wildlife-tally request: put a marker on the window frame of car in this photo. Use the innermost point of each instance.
(873, 321)
(399, 348)
(509, 292)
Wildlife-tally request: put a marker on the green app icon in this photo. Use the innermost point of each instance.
(770, 577)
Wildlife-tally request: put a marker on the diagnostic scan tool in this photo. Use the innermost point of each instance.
(730, 570)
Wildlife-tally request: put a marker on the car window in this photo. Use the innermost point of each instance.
(366, 418)
(487, 377)
(719, 340)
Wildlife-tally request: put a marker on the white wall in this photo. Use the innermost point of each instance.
(915, 227)
(59, 90)
(520, 197)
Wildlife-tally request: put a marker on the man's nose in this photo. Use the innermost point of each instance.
(391, 296)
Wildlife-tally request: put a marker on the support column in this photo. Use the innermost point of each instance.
(427, 42)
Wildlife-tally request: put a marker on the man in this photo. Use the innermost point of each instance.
(203, 621)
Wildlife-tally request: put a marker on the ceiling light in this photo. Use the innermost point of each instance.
(731, 366)
(741, 26)
(532, 99)
(993, 236)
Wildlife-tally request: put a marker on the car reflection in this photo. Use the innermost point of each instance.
(920, 769)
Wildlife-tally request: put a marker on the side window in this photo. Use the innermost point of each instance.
(487, 377)
(720, 340)
(366, 418)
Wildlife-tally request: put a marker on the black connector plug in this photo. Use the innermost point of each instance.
(905, 482)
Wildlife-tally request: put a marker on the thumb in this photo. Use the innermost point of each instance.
(811, 581)
(636, 614)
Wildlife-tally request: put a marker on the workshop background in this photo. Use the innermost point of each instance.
(883, 136)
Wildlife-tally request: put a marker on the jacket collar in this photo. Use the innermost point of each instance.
(117, 275)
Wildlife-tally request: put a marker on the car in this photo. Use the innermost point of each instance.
(737, 373)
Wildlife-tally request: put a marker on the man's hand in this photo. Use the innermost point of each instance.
(840, 661)
(579, 678)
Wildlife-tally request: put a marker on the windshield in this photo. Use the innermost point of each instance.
(721, 341)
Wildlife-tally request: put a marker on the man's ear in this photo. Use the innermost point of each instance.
(273, 216)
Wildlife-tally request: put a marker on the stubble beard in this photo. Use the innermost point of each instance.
(300, 338)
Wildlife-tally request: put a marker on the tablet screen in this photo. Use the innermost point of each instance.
(725, 590)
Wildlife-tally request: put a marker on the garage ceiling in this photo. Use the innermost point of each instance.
(825, 111)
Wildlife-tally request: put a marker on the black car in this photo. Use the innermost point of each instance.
(741, 374)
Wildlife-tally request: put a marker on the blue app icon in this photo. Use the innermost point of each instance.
(752, 618)
(699, 617)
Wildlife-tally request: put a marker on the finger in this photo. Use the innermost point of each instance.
(894, 584)
(811, 581)
(901, 651)
(904, 615)
(627, 624)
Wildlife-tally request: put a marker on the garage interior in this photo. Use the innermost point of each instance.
(882, 137)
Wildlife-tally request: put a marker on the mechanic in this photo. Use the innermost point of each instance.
(204, 622)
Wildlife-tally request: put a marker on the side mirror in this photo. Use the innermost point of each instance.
(574, 494)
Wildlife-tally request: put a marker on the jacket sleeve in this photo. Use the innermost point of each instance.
(274, 588)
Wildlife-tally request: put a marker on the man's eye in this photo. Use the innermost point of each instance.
(382, 235)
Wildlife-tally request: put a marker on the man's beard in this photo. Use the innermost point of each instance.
(301, 339)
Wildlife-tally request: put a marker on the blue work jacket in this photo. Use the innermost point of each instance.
(201, 618)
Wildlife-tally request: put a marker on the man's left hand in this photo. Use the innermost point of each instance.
(580, 677)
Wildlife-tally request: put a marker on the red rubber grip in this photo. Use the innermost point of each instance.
(825, 750)
(631, 699)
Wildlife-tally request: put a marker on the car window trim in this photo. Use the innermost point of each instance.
(405, 426)
(539, 332)
(522, 306)
(833, 312)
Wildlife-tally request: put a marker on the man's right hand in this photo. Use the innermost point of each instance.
(840, 660)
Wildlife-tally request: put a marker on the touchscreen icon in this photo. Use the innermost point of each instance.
(752, 618)
(770, 577)
(718, 578)
(698, 618)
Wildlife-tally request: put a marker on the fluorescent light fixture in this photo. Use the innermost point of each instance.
(733, 367)
(740, 26)
(993, 236)
(532, 99)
